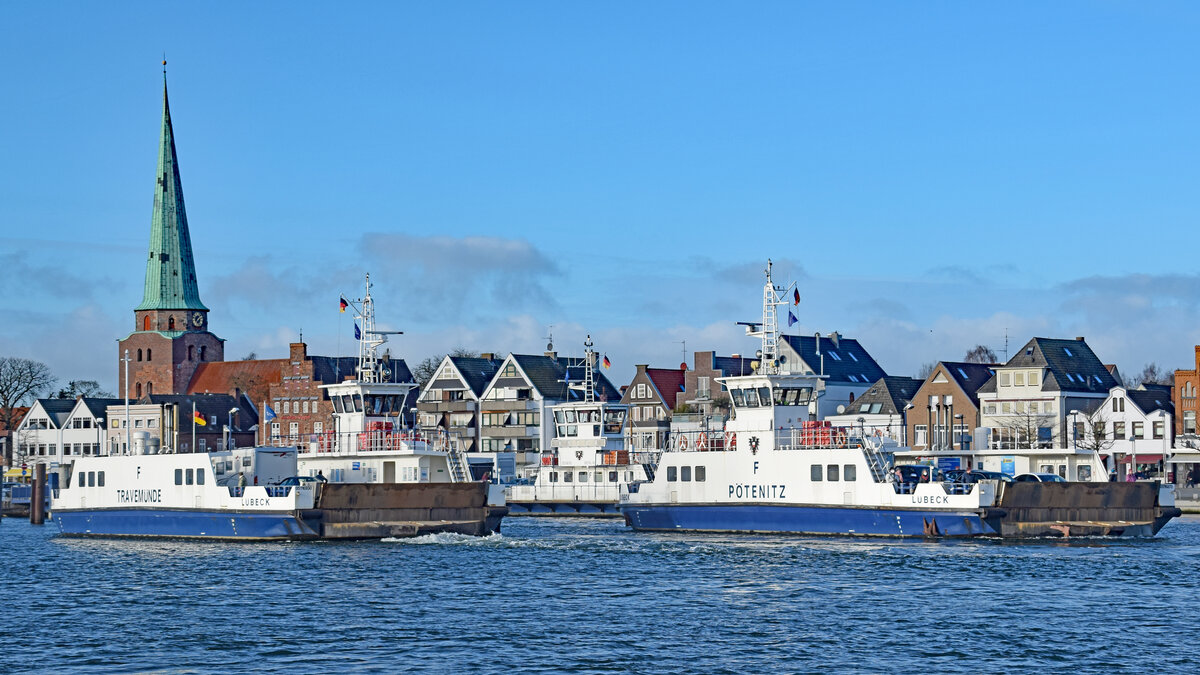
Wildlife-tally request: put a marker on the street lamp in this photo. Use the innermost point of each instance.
(229, 429)
(954, 432)
(862, 429)
(1075, 430)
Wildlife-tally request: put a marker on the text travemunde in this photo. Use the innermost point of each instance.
(139, 496)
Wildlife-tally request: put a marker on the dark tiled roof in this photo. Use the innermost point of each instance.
(891, 394)
(477, 372)
(970, 376)
(668, 381)
(334, 369)
(209, 406)
(1071, 365)
(98, 406)
(549, 375)
(845, 361)
(1150, 400)
(733, 365)
(57, 409)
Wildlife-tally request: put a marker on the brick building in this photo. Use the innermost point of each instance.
(701, 391)
(170, 337)
(945, 408)
(652, 397)
(1184, 396)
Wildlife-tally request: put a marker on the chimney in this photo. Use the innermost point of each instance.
(1080, 338)
(488, 355)
(736, 356)
(551, 355)
(298, 351)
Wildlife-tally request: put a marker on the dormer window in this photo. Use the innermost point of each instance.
(1068, 351)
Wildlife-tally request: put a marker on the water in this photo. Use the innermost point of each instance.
(557, 595)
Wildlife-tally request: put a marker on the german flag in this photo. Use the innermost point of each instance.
(344, 305)
(607, 363)
(198, 419)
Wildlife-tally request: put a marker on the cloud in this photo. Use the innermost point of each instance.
(20, 276)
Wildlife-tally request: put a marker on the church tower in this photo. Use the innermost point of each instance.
(170, 337)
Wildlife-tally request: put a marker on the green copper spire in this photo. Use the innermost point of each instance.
(170, 270)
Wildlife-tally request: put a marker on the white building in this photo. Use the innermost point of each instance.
(1027, 402)
(1127, 424)
(879, 410)
(56, 431)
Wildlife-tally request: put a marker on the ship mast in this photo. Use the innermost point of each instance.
(370, 369)
(589, 381)
(769, 354)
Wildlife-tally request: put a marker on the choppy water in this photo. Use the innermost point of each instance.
(590, 596)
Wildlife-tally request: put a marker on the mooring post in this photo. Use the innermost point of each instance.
(37, 497)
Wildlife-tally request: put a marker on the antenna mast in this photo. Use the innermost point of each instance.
(589, 378)
(369, 366)
(768, 359)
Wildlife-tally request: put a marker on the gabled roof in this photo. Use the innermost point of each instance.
(970, 377)
(845, 361)
(1071, 366)
(887, 396)
(97, 406)
(1150, 400)
(476, 372)
(58, 410)
(668, 382)
(549, 376)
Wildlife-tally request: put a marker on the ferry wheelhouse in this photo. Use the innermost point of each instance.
(588, 463)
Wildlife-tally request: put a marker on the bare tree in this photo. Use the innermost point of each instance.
(463, 352)
(85, 388)
(424, 371)
(252, 356)
(1094, 433)
(926, 370)
(980, 354)
(1024, 428)
(21, 380)
(1153, 374)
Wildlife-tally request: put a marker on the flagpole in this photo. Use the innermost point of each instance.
(193, 425)
(262, 438)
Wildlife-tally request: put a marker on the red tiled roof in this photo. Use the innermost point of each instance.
(223, 377)
(668, 381)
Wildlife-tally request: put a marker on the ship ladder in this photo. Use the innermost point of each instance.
(457, 461)
(875, 459)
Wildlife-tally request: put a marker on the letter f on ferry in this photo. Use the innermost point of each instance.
(756, 467)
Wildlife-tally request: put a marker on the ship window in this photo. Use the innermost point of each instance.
(672, 474)
(358, 406)
(700, 474)
(571, 416)
(91, 478)
(179, 476)
(751, 398)
(187, 477)
(764, 395)
(553, 476)
(739, 399)
(612, 476)
(685, 474)
(200, 476)
(99, 479)
(599, 477)
(831, 473)
(814, 473)
(337, 404)
(628, 476)
(583, 476)
(81, 479)
(567, 476)
(849, 473)
(558, 416)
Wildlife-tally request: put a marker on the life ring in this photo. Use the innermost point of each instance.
(683, 443)
(702, 442)
(731, 440)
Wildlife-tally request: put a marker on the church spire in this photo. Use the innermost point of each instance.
(170, 269)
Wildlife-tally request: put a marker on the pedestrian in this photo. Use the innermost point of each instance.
(242, 480)
(320, 476)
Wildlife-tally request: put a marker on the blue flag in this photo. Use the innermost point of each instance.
(357, 332)
(270, 413)
(791, 319)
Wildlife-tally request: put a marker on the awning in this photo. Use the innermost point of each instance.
(1184, 458)
(15, 472)
(1141, 459)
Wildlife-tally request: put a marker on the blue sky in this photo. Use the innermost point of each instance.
(933, 175)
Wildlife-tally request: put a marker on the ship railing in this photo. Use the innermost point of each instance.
(354, 443)
(702, 441)
(564, 492)
(818, 438)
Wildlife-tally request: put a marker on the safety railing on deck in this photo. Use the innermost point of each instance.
(359, 442)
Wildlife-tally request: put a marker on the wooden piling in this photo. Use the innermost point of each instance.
(37, 497)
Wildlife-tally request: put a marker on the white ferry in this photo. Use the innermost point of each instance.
(780, 470)
(187, 495)
(369, 478)
(588, 464)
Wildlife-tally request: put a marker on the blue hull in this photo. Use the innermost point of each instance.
(184, 523)
(823, 520)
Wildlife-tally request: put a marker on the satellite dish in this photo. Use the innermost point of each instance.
(841, 409)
